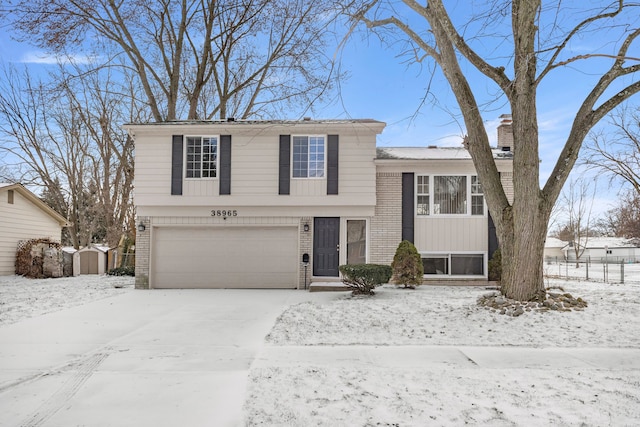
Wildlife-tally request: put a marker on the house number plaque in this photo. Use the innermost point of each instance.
(224, 212)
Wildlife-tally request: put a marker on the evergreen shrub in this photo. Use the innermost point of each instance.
(407, 266)
(363, 278)
(122, 271)
(495, 266)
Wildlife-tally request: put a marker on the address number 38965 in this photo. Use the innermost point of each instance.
(224, 212)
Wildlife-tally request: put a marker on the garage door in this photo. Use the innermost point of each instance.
(229, 257)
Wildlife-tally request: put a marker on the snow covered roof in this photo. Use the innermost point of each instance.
(432, 152)
(552, 242)
(611, 242)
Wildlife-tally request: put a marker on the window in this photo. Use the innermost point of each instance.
(308, 156)
(202, 156)
(449, 195)
(454, 264)
(10, 197)
(423, 195)
(477, 197)
(436, 265)
(356, 241)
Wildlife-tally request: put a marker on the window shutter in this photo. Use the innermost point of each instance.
(284, 178)
(225, 164)
(493, 237)
(332, 164)
(407, 206)
(176, 165)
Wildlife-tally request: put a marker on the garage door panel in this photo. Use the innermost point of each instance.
(232, 257)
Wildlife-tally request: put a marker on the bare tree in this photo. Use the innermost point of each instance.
(617, 154)
(199, 58)
(65, 139)
(624, 219)
(515, 57)
(575, 205)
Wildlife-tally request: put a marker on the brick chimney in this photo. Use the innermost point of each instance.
(505, 133)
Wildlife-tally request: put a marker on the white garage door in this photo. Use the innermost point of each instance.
(229, 257)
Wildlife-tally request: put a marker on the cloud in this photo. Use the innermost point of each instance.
(38, 57)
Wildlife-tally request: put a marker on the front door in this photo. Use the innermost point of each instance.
(326, 246)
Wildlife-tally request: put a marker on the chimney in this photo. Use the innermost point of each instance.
(505, 133)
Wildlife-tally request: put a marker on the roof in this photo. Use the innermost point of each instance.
(595, 243)
(241, 122)
(432, 152)
(552, 242)
(36, 201)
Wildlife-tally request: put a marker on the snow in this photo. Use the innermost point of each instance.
(23, 298)
(367, 387)
(429, 356)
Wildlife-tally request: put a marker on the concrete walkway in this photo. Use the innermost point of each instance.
(181, 358)
(417, 356)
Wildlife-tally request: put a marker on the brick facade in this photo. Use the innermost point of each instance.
(386, 225)
(143, 239)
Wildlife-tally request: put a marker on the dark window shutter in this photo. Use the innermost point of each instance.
(176, 165)
(493, 238)
(284, 184)
(408, 207)
(332, 164)
(225, 164)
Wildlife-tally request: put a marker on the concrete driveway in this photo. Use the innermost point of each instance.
(145, 358)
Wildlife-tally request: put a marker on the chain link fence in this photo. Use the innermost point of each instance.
(607, 270)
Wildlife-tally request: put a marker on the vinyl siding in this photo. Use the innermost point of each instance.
(255, 169)
(435, 234)
(22, 220)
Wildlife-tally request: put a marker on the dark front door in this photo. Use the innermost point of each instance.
(326, 249)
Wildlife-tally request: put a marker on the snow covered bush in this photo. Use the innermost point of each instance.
(363, 278)
(407, 266)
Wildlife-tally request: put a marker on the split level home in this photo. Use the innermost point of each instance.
(281, 204)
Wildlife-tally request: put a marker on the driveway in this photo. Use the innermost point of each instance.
(145, 358)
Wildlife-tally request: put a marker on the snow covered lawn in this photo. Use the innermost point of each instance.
(333, 388)
(367, 394)
(22, 298)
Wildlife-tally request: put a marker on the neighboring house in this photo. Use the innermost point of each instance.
(278, 204)
(554, 249)
(611, 249)
(24, 216)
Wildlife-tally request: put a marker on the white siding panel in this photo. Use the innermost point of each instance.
(451, 234)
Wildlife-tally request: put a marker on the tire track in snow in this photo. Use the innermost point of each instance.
(83, 368)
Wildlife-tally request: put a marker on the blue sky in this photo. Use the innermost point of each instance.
(381, 86)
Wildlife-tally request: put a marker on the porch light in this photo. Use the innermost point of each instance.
(141, 227)
(306, 227)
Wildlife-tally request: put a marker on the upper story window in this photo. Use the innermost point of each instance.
(308, 156)
(449, 195)
(202, 156)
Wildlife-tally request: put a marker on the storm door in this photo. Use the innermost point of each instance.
(326, 246)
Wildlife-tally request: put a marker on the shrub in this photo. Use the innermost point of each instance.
(363, 278)
(38, 258)
(407, 266)
(495, 266)
(122, 271)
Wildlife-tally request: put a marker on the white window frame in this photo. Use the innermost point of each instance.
(448, 256)
(431, 211)
(187, 162)
(324, 157)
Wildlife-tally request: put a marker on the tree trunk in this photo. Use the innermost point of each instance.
(523, 257)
